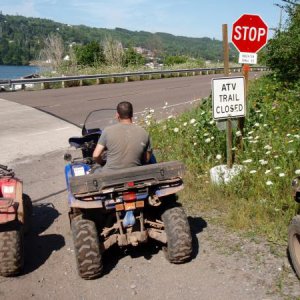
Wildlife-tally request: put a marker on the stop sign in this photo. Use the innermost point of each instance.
(249, 33)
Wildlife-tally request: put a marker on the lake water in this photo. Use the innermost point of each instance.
(13, 72)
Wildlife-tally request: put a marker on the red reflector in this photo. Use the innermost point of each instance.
(130, 184)
(129, 196)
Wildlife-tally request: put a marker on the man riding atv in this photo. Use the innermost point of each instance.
(126, 144)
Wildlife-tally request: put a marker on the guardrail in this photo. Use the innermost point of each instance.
(15, 84)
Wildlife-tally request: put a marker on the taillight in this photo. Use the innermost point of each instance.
(129, 196)
(8, 188)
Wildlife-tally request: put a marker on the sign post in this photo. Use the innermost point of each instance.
(249, 35)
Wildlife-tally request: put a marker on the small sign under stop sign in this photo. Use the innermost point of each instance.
(228, 97)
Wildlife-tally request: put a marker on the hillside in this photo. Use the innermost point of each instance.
(21, 39)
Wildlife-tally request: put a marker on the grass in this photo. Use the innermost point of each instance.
(259, 199)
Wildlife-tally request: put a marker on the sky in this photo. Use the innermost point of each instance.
(192, 18)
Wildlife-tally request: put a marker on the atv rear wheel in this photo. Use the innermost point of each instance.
(11, 250)
(179, 239)
(294, 243)
(27, 204)
(87, 250)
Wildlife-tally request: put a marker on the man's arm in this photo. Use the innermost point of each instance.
(148, 156)
(97, 153)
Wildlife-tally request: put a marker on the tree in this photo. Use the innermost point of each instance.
(132, 58)
(283, 55)
(113, 52)
(53, 50)
(90, 54)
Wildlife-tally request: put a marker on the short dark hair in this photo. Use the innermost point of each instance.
(125, 110)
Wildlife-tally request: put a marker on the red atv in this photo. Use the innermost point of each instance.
(15, 213)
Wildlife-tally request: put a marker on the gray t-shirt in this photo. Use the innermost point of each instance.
(126, 145)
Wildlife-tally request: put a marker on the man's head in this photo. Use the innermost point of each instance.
(125, 110)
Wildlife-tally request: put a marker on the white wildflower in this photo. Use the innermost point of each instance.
(267, 147)
(297, 172)
(263, 162)
(212, 122)
(257, 137)
(207, 140)
(219, 156)
(195, 144)
(176, 129)
(212, 137)
(202, 113)
(288, 135)
(268, 171)
(256, 124)
(291, 141)
(250, 132)
(206, 134)
(185, 123)
(192, 121)
(148, 117)
(265, 125)
(281, 174)
(238, 133)
(261, 115)
(151, 110)
(247, 161)
(290, 152)
(258, 111)
(170, 117)
(277, 168)
(252, 172)
(268, 152)
(297, 136)
(269, 182)
(276, 156)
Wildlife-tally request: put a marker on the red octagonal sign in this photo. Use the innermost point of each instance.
(249, 33)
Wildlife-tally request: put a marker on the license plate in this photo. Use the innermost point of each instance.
(129, 205)
(78, 171)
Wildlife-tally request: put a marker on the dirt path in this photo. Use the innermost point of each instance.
(224, 266)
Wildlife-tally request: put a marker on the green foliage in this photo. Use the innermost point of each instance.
(22, 39)
(132, 58)
(175, 60)
(259, 199)
(90, 54)
(283, 50)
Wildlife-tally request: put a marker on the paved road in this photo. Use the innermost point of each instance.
(73, 104)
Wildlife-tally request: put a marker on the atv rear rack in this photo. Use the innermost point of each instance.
(136, 177)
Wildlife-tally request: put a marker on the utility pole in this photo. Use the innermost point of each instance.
(280, 17)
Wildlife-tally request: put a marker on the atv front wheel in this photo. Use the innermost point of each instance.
(11, 251)
(87, 250)
(294, 243)
(179, 239)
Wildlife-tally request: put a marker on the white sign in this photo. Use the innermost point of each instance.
(247, 58)
(228, 95)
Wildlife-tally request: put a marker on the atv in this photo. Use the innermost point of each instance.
(15, 214)
(294, 231)
(122, 207)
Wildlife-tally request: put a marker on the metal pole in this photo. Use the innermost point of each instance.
(241, 121)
